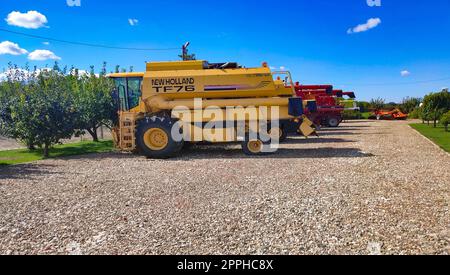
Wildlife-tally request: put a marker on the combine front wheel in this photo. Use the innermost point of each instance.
(154, 138)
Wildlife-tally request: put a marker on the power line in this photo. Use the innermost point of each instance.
(173, 49)
(87, 44)
(397, 83)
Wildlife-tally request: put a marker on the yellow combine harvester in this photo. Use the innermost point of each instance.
(193, 94)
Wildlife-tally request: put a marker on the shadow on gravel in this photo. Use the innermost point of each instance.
(340, 133)
(345, 128)
(358, 121)
(23, 171)
(317, 141)
(214, 152)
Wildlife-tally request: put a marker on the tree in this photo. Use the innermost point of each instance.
(94, 101)
(43, 112)
(425, 115)
(410, 104)
(435, 105)
(5, 110)
(445, 120)
(10, 91)
(377, 104)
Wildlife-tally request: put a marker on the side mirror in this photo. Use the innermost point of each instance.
(296, 107)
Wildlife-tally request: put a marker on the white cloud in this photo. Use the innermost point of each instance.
(8, 47)
(371, 23)
(46, 43)
(133, 22)
(283, 68)
(29, 20)
(41, 55)
(405, 73)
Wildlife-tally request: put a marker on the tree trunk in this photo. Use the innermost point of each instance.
(436, 118)
(93, 133)
(46, 151)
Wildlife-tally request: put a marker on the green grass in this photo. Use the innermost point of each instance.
(23, 155)
(437, 135)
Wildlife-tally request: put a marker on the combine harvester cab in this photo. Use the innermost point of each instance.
(173, 103)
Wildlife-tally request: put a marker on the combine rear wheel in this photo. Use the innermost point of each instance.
(254, 146)
(154, 138)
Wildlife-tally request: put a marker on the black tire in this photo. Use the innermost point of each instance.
(333, 122)
(284, 135)
(165, 125)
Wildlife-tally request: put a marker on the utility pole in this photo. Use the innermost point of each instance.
(185, 51)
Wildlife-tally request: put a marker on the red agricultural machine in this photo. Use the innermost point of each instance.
(395, 114)
(329, 111)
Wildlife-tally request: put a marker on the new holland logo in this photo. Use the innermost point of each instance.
(173, 85)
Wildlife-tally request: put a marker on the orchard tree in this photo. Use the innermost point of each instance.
(13, 86)
(44, 112)
(410, 104)
(445, 120)
(435, 105)
(93, 101)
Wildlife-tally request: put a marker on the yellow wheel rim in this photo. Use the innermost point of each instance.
(255, 146)
(156, 139)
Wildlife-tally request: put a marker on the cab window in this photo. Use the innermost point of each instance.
(129, 92)
(134, 91)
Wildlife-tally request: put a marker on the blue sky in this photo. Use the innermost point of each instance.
(310, 38)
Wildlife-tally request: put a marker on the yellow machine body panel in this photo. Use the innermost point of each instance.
(212, 83)
(176, 65)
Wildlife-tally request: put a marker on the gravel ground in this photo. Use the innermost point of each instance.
(366, 187)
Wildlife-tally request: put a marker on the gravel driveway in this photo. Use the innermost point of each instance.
(366, 187)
